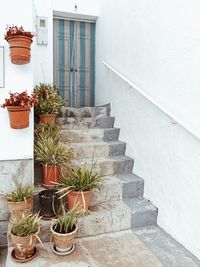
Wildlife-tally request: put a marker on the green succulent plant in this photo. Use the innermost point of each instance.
(27, 225)
(21, 193)
(49, 101)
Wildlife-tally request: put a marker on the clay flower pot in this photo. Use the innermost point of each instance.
(24, 246)
(51, 174)
(63, 243)
(45, 118)
(49, 203)
(79, 199)
(18, 208)
(20, 47)
(19, 117)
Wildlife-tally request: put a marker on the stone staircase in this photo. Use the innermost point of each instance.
(118, 204)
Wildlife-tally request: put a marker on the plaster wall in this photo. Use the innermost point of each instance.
(156, 45)
(15, 144)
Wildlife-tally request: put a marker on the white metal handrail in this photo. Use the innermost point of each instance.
(173, 117)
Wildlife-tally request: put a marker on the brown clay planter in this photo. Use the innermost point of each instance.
(19, 117)
(45, 118)
(63, 242)
(24, 246)
(20, 47)
(18, 208)
(51, 175)
(79, 199)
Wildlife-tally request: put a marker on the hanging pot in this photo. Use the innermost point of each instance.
(49, 203)
(19, 117)
(79, 199)
(20, 47)
(51, 174)
(18, 208)
(45, 118)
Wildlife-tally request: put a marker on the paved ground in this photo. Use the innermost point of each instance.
(112, 250)
(3, 253)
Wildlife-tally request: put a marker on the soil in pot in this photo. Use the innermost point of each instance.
(45, 118)
(79, 199)
(51, 175)
(49, 203)
(18, 208)
(63, 242)
(24, 246)
(19, 117)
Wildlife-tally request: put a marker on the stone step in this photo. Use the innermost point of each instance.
(143, 212)
(112, 188)
(107, 217)
(89, 135)
(101, 111)
(98, 149)
(108, 166)
(85, 123)
(3, 233)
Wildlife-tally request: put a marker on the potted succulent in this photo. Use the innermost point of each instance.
(24, 235)
(20, 200)
(49, 102)
(63, 232)
(49, 203)
(77, 184)
(20, 44)
(18, 106)
(53, 155)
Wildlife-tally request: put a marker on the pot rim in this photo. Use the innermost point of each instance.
(19, 36)
(61, 234)
(54, 191)
(79, 192)
(23, 201)
(17, 108)
(48, 115)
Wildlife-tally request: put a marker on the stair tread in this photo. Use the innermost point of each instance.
(103, 159)
(90, 130)
(139, 204)
(100, 143)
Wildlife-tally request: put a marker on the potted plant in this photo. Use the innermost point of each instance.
(53, 155)
(49, 102)
(18, 106)
(20, 200)
(24, 235)
(20, 44)
(49, 129)
(63, 232)
(77, 184)
(49, 203)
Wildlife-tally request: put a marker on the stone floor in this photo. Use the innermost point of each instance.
(122, 249)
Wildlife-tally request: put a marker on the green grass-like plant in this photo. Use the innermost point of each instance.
(49, 101)
(79, 179)
(51, 151)
(27, 225)
(66, 223)
(49, 129)
(22, 193)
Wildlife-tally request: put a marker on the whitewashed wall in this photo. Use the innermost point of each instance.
(15, 144)
(43, 66)
(156, 44)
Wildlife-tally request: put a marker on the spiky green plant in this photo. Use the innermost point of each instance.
(66, 223)
(49, 129)
(21, 193)
(79, 179)
(50, 151)
(27, 225)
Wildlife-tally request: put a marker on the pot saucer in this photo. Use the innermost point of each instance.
(65, 253)
(36, 251)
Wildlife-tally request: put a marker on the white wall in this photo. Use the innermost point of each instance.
(156, 45)
(43, 66)
(15, 144)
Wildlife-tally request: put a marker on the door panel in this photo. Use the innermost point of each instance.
(74, 61)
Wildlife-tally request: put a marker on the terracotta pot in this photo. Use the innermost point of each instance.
(51, 174)
(20, 47)
(24, 246)
(18, 208)
(63, 242)
(79, 199)
(45, 118)
(19, 117)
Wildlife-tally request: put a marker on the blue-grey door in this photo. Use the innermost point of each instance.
(74, 61)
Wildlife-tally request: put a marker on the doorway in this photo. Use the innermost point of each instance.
(74, 61)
